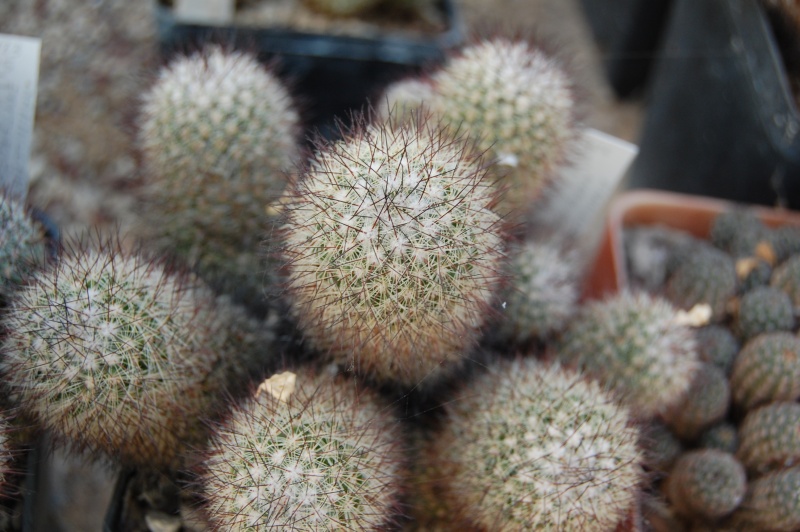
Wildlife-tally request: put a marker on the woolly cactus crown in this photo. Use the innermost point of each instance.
(113, 353)
(393, 250)
(326, 457)
(536, 447)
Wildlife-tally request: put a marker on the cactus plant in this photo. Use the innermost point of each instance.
(770, 437)
(771, 503)
(537, 447)
(22, 244)
(785, 241)
(403, 99)
(393, 251)
(704, 404)
(217, 131)
(718, 346)
(738, 232)
(722, 436)
(636, 345)
(113, 353)
(660, 447)
(767, 369)
(786, 277)
(764, 309)
(543, 292)
(706, 275)
(325, 456)
(706, 484)
(517, 102)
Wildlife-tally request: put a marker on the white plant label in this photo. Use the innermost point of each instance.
(212, 12)
(19, 76)
(585, 187)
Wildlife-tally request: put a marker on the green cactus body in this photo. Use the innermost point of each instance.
(718, 346)
(536, 447)
(764, 309)
(786, 277)
(114, 354)
(707, 275)
(738, 232)
(785, 241)
(217, 131)
(22, 244)
(661, 447)
(394, 253)
(705, 403)
(706, 484)
(722, 436)
(772, 503)
(770, 437)
(767, 369)
(543, 294)
(327, 457)
(517, 102)
(634, 343)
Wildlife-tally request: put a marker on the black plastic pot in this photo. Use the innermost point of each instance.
(721, 120)
(331, 75)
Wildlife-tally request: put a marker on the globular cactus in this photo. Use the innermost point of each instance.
(518, 102)
(660, 447)
(753, 272)
(537, 447)
(718, 346)
(769, 437)
(767, 369)
(722, 436)
(763, 310)
(22, 244)
(786, 277)
(113, 353)
(707, 484)
(403, 99)
(785, 241)
(315, 453)
(704, 404)
(738, 232)
(543, 292)
(706, 275)
(217, 131)
(771, 503)
(393, 251)
(636, 344)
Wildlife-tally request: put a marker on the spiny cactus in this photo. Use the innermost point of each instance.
(753, 272)
(543, 292)
(771, 503)
(706, 484)
(537, 447)
(718, 346)
(738, 232)
(770, 437)
(22, 244)
(785, 241)
(325, 456)
(660, 446)
(722, 436)
(786, 277)
(518, 103)
(393, 251)
(704, 404)
(635, 343)
(403, 99)
(217, 130)
(767, 369)
(112, 353)
(762, 310)
(706, 275)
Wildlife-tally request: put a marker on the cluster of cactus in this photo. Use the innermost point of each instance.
(742, 405)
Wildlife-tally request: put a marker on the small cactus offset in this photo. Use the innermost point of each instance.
(706, 275)
(518, 103)
(767, 369)
(770, 437)
(706, 484)
(722, 436)
(785, 242)
(22, 244)
(738, 232)
(718, 346)
(764, 309)
(114, 354)
(308, 453)
(394, 253)
(636, 344)
(772, 503)
(217, 131)
(704, 404)
(537, 447)
(786, 277)
(403, 99)
(543, 292)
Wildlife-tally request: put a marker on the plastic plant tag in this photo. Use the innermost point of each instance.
(211, 12)
(280, 386)
(19, 75)
(584, 188)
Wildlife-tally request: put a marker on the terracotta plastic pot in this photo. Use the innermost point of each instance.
(693, 214)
